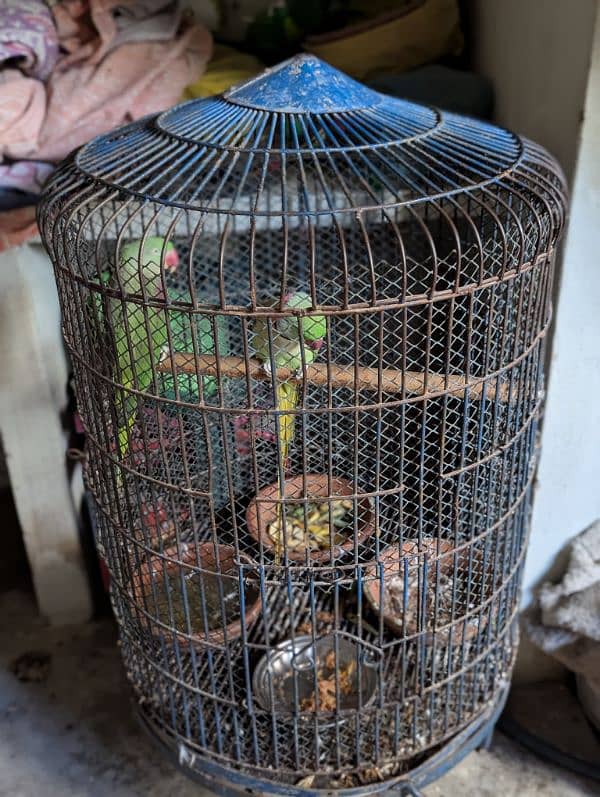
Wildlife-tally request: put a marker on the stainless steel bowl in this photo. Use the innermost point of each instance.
(285, 676)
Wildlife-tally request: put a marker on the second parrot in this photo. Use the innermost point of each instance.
(292, 341)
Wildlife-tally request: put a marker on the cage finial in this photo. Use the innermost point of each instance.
(303, 84)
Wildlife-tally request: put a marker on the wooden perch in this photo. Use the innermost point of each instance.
(392, 380)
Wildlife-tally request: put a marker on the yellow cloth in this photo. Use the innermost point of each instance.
(397, 41)
(227, 67)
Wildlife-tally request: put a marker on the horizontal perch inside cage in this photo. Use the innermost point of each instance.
(388, 380)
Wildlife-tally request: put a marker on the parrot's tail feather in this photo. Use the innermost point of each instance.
(287, 399)
(130, 413)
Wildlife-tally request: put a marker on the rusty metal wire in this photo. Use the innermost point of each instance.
(425, 242)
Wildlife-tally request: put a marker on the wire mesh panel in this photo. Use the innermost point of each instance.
(307, 326)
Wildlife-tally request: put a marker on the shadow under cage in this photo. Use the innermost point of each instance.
(307, 326)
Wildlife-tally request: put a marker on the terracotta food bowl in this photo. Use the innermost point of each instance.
(405, 571)
(211, 589)
(264, 509)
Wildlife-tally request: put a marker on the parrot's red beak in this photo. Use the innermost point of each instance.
(171, 260)
(315, 345)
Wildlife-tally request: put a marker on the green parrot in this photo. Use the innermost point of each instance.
(180, 323)
(289, 336)
(139, 333)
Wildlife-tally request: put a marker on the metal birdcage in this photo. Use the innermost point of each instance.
(307, 326)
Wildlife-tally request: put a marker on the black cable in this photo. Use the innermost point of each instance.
(511, 728)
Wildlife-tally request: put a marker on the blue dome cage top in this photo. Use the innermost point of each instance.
(307, 326)
(374, 149)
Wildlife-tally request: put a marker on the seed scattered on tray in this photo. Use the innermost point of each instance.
(324, 697)
(313, 530)
(324, 621)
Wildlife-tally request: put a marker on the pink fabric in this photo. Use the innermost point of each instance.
(28, 176)
(17, 226)
(125, 21)
(137, 62)
(132, 81)
(22, 109)
(75, 27)
(90, 30)
(28, 37)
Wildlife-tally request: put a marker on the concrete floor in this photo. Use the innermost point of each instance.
(73, 733)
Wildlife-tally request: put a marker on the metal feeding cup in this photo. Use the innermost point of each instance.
(288, 677)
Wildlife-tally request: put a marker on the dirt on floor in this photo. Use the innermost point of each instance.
(66, 726)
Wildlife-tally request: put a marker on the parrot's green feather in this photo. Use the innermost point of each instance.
(314, 327)
(138, 348)
(182, 340)
(125, 431)
(96, 309)
(139, 333)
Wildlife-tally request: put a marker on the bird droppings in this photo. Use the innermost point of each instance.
(32, 667)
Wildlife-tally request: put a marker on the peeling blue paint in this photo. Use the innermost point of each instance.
(304, 84)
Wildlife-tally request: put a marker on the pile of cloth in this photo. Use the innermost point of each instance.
(565, 621)
(74, 69)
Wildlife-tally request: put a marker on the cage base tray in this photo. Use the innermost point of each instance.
(229, 782)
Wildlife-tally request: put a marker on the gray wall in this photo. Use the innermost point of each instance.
(537, 54)
(544, 59)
